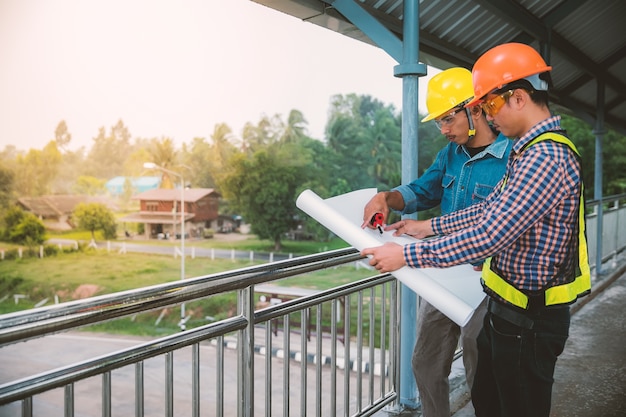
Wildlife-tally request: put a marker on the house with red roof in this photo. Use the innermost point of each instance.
(160, 210)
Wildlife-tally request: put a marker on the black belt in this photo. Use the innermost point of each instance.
(509, 314)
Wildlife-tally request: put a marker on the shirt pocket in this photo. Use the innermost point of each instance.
(447, 181)
(447, 194)
(481, 191)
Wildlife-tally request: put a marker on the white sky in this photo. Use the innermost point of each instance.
(172, 68)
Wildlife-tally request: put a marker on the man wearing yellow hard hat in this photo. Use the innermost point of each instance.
(464, 173)
(530, 229)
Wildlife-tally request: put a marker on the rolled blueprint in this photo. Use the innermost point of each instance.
(455, 291)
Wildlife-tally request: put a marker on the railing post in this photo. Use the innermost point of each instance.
(106, 394)
(195, 386)
(139, 390)
(169, 384)
(69, 400)
(245, 346)
(27, 407)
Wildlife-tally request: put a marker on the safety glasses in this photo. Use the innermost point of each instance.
(492, 106)
(447, 120)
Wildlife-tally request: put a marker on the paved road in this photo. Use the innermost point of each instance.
(39, 355)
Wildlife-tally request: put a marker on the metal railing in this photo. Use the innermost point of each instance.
(307, 356)
(303, 371)
(610, 218)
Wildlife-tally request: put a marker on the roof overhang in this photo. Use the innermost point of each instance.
(584, 41)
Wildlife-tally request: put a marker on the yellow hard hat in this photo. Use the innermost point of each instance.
(447, 90)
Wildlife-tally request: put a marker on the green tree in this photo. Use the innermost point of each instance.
(36, 170)
(62, 136)
(266, 132)
(263, 189)
(163, 153)
(109, 152)
(295, 128)
(23, 227)
(72, 163)
(127, 192)
(95, 216)
(613, 154)
(71, 167)
(7, 191)
(11, 218)
(29, 231)
(365, 135)
(261, 184)
(382, 142)
(86, 185)
(195, 162)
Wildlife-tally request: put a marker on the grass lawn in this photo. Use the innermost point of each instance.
(108, 272)
(239, 242)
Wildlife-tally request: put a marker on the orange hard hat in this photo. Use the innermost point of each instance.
(503, 64)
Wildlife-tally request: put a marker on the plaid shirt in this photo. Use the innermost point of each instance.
(529, 227)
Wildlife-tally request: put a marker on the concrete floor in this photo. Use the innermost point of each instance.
(590, 376)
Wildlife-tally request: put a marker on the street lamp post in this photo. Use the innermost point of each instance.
(152, 165)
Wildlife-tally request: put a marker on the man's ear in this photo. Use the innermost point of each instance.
(476, 111)
(520, 96)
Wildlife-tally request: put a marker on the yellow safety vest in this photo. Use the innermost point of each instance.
(559, 294)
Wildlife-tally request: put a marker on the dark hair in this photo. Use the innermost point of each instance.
(539, 97)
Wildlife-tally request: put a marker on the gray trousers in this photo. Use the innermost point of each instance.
(437, 339)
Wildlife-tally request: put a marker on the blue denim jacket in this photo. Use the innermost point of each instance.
(455, 180)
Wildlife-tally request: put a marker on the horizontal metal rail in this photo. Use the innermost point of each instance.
(40, 321)
(361, 377)
(370, 364)
(28, 387)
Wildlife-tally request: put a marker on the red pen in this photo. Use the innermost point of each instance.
(377, 220)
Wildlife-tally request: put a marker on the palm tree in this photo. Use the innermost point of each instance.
(163, 154)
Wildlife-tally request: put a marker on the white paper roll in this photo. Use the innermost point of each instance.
(455, 291)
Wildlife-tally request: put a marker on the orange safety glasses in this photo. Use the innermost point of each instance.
(493, 106)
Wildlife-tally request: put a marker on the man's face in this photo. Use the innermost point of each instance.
(499, 113)
(454, 126)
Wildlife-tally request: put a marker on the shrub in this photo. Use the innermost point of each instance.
(11, 254)
(23, 227)
(10, 283)
(50, 250)
(31, 252)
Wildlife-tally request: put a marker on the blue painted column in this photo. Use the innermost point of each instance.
(406, 53)
(597, 184)
(410, 70)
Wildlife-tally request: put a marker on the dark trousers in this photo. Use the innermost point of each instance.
(516, 363)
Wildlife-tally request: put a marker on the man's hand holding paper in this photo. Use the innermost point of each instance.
(386, 258)
(419, 229)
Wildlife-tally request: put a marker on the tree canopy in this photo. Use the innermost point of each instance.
(261, 184)
(260, 171)
(95, 216)
(23, 227)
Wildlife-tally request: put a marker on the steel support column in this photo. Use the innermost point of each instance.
(597, 183)
(410, 70)
(406, 53)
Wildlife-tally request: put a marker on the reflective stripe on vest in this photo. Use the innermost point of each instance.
(559, 294)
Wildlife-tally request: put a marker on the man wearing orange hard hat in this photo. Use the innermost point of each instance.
(530, 229)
